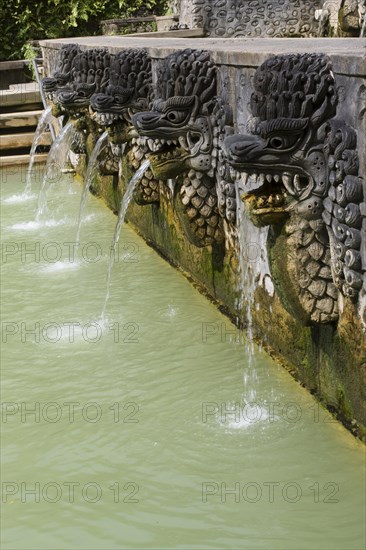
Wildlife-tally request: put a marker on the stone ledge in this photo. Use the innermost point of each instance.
(348, 55)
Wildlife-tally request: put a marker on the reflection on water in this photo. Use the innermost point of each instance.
(152, 430)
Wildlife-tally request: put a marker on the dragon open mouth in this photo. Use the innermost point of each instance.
(166, 156)
(105, 110)
(169, 155)
(104, 119)
(271, 195)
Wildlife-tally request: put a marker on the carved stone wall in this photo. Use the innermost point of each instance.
(252, 18)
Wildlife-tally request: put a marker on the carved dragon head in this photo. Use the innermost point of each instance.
(179, 128)
(294, 95)
(129, 89)
(62, 74)
(300, 171)
(89, 75)
(181, 132)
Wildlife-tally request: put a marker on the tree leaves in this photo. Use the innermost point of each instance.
(63, 18)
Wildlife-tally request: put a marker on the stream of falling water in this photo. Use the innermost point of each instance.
(55, 162)
(43, 123)
(324, 15)
(363, 27)
(127, 197)
(246, 287)
(90, 173)
(253, 262)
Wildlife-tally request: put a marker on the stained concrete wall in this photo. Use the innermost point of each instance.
(330, 361)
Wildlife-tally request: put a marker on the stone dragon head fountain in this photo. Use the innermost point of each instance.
(129, 91)
(62, 75)
(89, 75)
(183, 130)
(300, 170)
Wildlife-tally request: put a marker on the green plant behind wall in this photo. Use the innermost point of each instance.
(22, 21)
(30, 53)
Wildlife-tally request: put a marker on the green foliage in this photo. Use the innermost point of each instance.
(30, 53)
(23, 21)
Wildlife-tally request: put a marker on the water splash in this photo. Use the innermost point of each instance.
(90, 174)
(127, 197)
(60, 267)
(17, 199)
(43, 123)
(35, 225)
(55, 161)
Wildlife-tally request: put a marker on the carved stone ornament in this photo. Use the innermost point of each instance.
(251, 18)
(182, 132)
(62, 75)
(129, 91)
(89, 75)
(300, 170)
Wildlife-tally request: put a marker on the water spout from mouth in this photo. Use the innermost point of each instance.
(90, 173)
(126, 200)
(253, 264)
(55, 162)
(44, 121)
(363, 27)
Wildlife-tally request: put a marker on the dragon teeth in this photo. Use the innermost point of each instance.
(232, 173)
(269, 178)
(277, 178)
(287, 182)
(297, 182)
(244, 177)
(183, 142)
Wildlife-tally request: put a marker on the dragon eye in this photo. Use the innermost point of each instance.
(172, 116)
(276, 142)
(176, 117)
(283, 142)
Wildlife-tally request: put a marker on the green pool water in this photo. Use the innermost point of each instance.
(155, 427)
